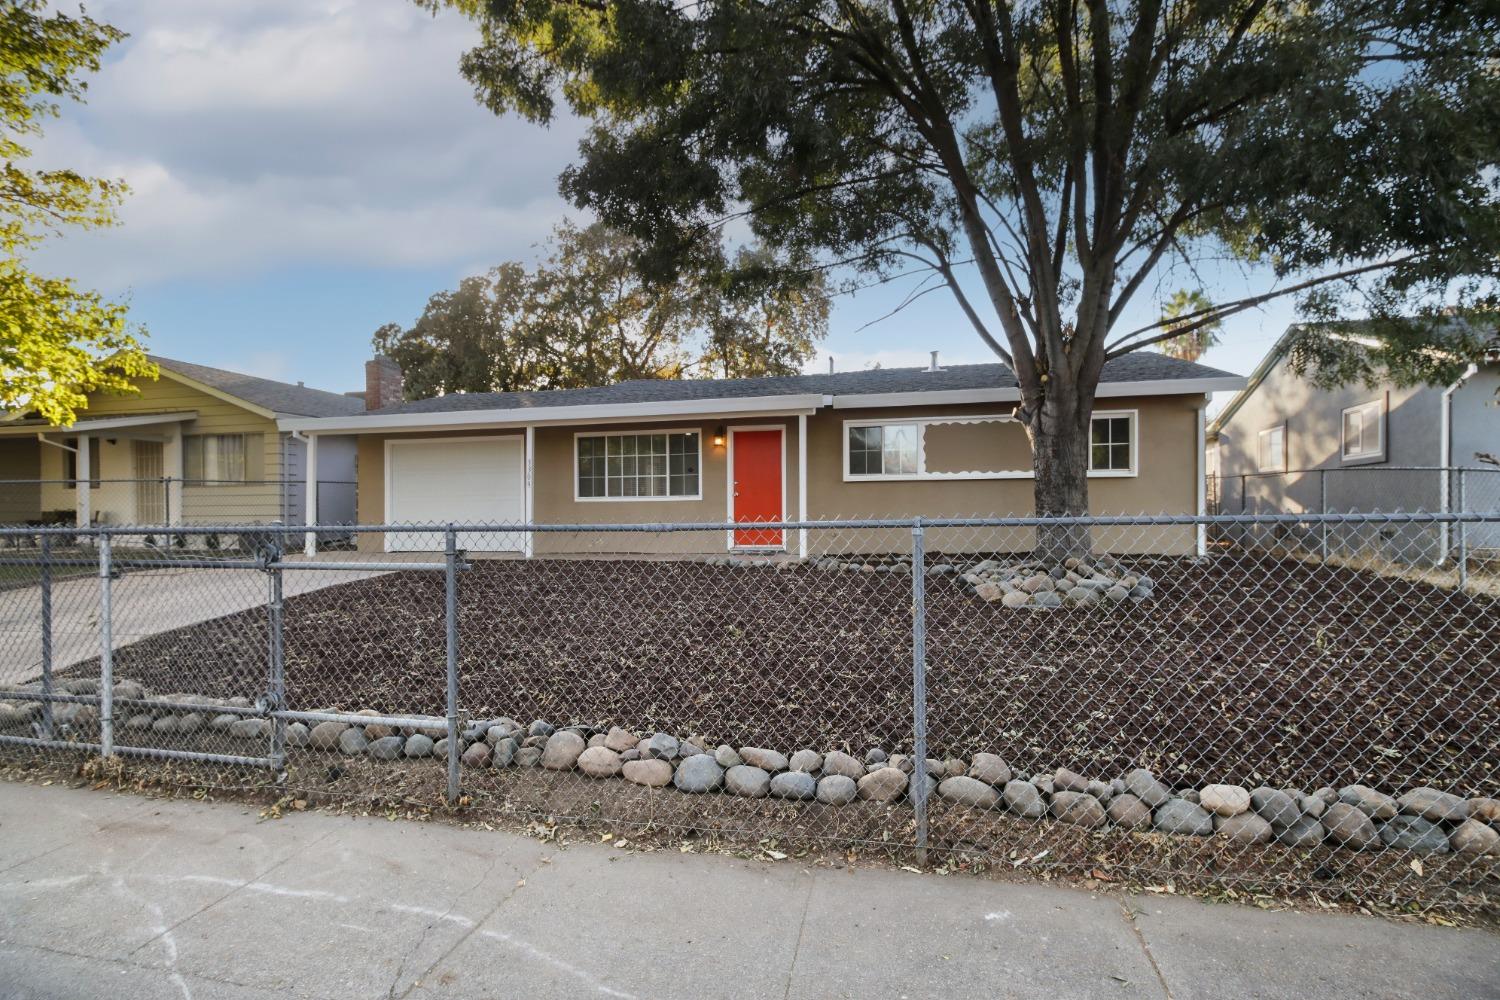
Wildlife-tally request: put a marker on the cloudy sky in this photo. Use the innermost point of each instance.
(306, 170)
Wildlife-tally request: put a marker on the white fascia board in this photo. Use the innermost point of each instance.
(104, 423)
(1106, 390)
(541, 416)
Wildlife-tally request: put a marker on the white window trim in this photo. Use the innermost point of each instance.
(1361, 458)
(1135, 445)
(652, 430)
(1260, 438)
(922, 473)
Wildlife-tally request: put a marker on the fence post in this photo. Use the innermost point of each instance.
(1323, 509)
(46, 585)
(450, 619)
(166, 507)
(1463, 535)
(919, 685)
(276, 656)
(106, 652)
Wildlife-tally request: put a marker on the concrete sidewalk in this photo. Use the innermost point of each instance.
(105, 894)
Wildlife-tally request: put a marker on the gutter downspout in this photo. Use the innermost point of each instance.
(1445, 448)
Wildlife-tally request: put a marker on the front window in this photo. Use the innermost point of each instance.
(629, 466)
(882, 450)
(1271, 456)
(214, 458)
(1111, 443)
(1364, 437)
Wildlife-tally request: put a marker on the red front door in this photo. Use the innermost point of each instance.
(755, 486)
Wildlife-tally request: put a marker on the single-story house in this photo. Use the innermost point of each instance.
(1285, 445)
(877, 443)
(198, 445)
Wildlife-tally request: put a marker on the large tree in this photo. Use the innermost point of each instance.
(1051, 161)
(586, 316)
(57, 342)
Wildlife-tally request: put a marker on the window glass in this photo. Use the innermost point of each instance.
(214, 458)
(1362, 427)
(883, 450)
(638, 465)
(1272, 457)
(1109, 444)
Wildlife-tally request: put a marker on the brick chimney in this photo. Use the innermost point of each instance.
(382, 382)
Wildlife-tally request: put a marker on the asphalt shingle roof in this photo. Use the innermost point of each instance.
(1137, 367)
(283, 398)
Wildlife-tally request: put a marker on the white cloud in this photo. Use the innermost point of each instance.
(287, 133)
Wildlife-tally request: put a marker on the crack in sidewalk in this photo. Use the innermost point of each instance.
(1140, 938)
(422, 938)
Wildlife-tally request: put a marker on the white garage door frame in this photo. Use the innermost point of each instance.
(517, 541)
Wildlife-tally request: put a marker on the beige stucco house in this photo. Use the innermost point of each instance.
(878, 443)
(198, 445)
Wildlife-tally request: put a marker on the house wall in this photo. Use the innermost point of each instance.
(1165, 483)
(20, 493)
(1476, 428)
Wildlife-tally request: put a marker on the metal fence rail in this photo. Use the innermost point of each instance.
(1277, 717)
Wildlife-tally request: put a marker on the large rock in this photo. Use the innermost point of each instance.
(650, 772)
(352, 742)
(418, 745)
(1276, 807)
(296, 734)
(325, 735)
(699, 773)
(794, 785)
(1349, 826)
(504, 752)
(836, 789)
(1475, 838)
(662, 746)
(1486, 809)
(747, 780)
(1022, 798)
(884, 785)
(1433, 805)
(1143, 785)
(597, 762)
(1243, 828)
(1064, 780)
(766, 760)
(838, 762)
(478, 755)
(728, 756)
(194, 721)
(563, 750)
(527, 757)
(808, 761)
(387, 747)
(1306, 832)
(1376, 805)
(990, 768)
(1224, 800)
(165, 725)
(970, 792)
(251, 729)
(619, 740)
(1413, 833)
(1182, 816)
(1078, 808)
(1128, 812)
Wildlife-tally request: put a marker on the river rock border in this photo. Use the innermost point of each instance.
(1354, 817)
(1024, 582)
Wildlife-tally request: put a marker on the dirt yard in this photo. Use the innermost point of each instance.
(1240, 669)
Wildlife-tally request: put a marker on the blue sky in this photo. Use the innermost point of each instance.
(306, 170)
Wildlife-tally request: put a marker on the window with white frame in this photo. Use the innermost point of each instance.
(882, 451)
(1112, 443)
(1364, 432)
(1271, 449)
(214, 458)
(631, 466)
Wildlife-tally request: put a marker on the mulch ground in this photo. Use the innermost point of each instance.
(1240, 669)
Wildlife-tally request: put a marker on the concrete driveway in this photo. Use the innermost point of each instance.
(110, 894)
(144, 603)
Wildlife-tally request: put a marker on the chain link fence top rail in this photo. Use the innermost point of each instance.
(1263, 716)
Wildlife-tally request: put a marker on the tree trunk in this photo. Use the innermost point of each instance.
(1060, 459)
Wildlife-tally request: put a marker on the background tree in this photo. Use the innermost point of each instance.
(1047, 159)
(1199, 337)
(585, 316)
(57, 342)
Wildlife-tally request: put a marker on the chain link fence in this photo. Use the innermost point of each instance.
(1246, 718)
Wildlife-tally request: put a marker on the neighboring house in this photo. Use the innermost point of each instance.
(198, 445)
(890, 443)
(1284, 445)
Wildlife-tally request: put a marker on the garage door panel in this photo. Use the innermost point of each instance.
(478, 481)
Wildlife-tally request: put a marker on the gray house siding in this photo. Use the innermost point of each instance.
(1476, 428)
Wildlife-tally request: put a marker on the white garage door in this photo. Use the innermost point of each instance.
(459, 481)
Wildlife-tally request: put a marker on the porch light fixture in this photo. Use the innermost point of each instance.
(719, 434)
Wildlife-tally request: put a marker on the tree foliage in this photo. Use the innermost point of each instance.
(585, 316)
(57, 342)
(1067, 156)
